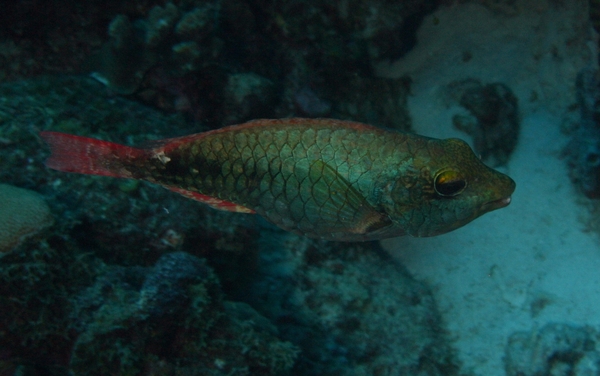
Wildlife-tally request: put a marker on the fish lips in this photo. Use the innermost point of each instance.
(496, 204)
(505, 188)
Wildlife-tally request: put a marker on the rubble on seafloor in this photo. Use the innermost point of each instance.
(554, 349)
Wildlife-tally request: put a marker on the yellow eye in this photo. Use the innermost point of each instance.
(449, 183)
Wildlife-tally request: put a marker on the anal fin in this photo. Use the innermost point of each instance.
(213, 202)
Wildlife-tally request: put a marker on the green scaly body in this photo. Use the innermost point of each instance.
(321, 178)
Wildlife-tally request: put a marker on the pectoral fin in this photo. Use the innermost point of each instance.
(342, 208)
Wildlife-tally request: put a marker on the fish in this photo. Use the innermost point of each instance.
(322, 178)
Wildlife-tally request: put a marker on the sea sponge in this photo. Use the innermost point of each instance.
(23, 213)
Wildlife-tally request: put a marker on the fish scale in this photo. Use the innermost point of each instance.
(273, 180)
(322, 178)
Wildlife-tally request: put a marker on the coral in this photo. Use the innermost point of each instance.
(308, 103)
(377, 101)
(228, 62)
(555, 349)
(350, 32)
(173, 317)
(168, 34)
(176, 59)
(351, 310)
(23, 213)
(494, 118)
(39, 38)
(122, 62)
(35, 289)
(247, 96)
(170, 318)
(503, 7)
(198, 22)
(594, 11)
(179, 55)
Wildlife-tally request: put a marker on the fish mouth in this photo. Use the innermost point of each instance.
(496, 204)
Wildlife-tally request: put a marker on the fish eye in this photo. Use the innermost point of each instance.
(448, 183)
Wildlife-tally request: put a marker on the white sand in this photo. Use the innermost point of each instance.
(531, 263)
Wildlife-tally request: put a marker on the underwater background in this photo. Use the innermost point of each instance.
(102, 276)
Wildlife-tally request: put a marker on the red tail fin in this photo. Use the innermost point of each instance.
(85, 155)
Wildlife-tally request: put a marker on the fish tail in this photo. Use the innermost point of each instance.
(86, 155)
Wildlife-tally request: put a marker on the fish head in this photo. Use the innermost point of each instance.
(449, 187)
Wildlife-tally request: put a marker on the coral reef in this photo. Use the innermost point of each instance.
(374, 101)
(555, 349)
(55, 37)
(167, 319)
(351, 310)
(493, 121)
(171, 319)
(594, 12)
(350, 32)
(247, 96)
(504, 7)
(23, 214)
(583, 152)
(224, 62)
(36, 284)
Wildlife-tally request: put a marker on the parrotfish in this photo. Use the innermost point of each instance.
(322, 178)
